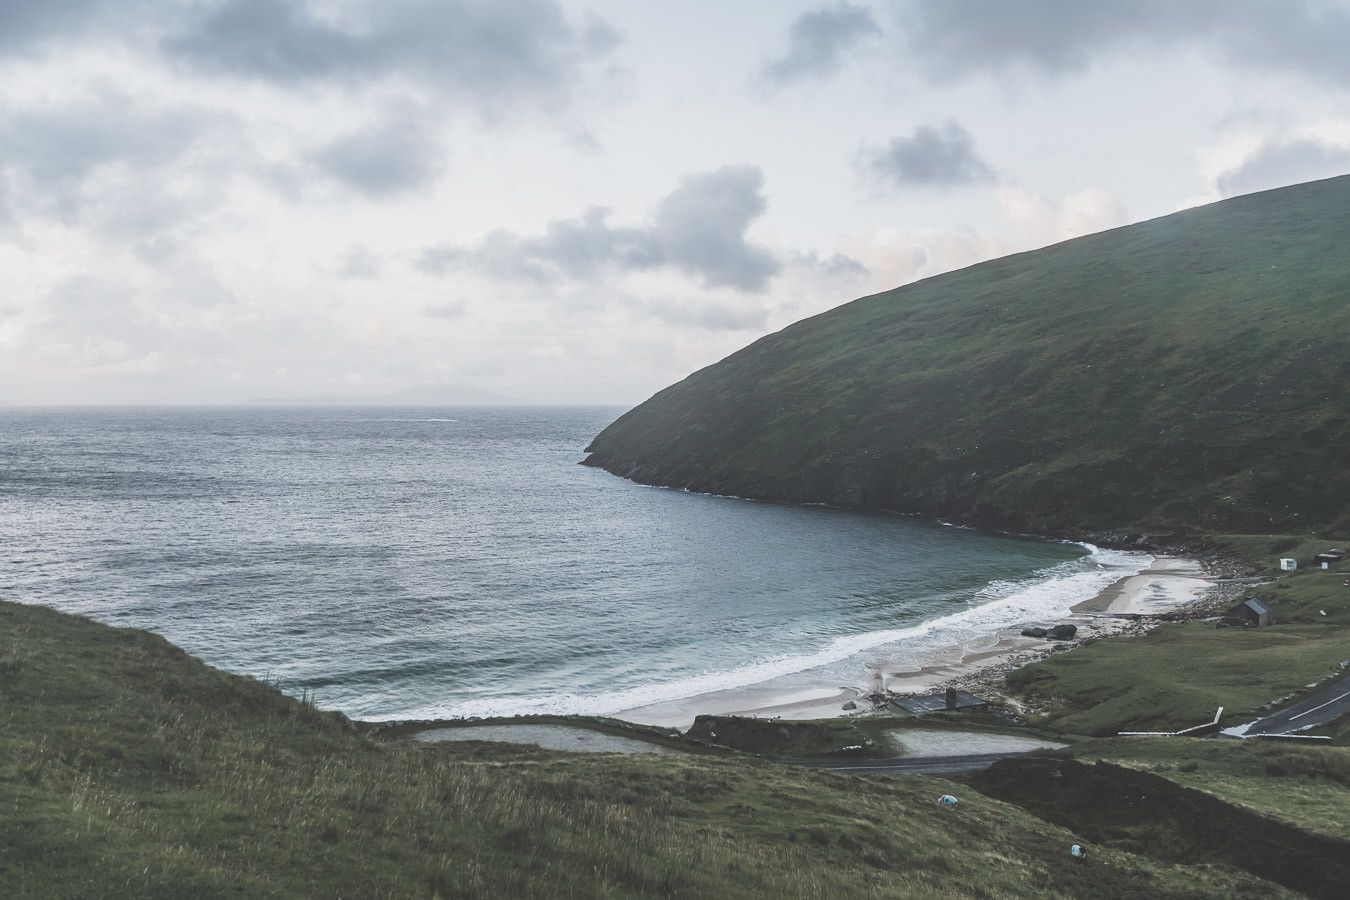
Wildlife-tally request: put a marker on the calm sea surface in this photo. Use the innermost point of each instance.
(417, 562)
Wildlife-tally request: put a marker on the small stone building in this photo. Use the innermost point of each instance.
(1254, 611)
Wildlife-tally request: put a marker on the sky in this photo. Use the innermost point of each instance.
(210, 201)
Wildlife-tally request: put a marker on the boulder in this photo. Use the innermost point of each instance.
(1034, 632)
(1062, 632)
(850, 705)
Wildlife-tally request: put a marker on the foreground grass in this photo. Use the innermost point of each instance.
(128, 768)
(1307, 786)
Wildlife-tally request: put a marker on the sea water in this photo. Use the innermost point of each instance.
(450, 562)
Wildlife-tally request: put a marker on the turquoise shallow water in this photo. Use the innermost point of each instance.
(417, 562)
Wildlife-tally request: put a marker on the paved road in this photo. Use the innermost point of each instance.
(1325, 706)
(906, 765)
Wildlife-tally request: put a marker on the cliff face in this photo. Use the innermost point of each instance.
(1190, 372)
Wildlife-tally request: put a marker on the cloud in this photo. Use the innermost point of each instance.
(1038, 220)
(703, 313)
(837, 268)
(138, 176)
(359, 263)
(395, 155)
(933, 156)
(818, 41)
(895, 256)
(25, 23)
(450, 309)
(579, 248)
(55, 150)
(1284, 162)
(491, 53)
(699, 228)
(93, 325)
(1052, 37)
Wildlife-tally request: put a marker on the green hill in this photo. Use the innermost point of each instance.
(1187, 373)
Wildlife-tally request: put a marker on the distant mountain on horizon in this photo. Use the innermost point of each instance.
(417, 395)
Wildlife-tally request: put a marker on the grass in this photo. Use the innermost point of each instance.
(1177, 676)
(1307, 786)
(822, 737)
(1264, 551)
(1180, 376)
(128, 768)
(1129, 809)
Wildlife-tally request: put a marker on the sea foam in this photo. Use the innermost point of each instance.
(1048, 594)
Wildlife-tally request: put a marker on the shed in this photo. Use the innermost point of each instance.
(1328, 558)
(1254, 611)
(1288, 565)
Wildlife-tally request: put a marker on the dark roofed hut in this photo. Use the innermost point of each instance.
(1328, 558)
(1254, 611)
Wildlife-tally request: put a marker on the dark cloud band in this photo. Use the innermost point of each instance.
(932, 156)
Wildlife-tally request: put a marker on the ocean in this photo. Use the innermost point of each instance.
(416, 563)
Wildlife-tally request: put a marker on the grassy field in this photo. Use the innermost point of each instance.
(128, 768)
(1177, 676)
(1184, 375)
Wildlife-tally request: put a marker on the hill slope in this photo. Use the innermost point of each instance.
(1190, 372)
(130, 769)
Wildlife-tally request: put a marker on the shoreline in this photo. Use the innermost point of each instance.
(1169, 584)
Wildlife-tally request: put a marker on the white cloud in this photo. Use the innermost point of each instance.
(1038, 220)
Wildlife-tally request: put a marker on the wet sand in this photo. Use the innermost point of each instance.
(1167, 584)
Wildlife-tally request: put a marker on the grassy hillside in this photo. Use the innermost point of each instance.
(1186, 373)
(128, 768)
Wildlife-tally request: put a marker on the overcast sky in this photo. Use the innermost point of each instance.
(215, 200)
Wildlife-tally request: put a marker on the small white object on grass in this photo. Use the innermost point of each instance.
(1078, 851)
(948, 800)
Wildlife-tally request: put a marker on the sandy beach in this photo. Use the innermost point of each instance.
(1168, 584)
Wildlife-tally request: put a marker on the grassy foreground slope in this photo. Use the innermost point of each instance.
(1305, 785)
(1185, 373)
(128, 768)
